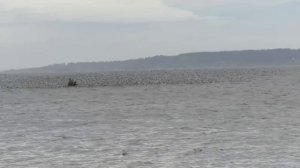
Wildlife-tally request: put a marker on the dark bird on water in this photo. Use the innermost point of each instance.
(72, 83)
(124, 153)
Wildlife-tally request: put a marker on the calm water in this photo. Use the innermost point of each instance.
(224, 124)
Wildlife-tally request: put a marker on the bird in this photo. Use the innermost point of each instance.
(124, 153)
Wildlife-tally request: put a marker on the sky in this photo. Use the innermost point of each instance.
(36, 33)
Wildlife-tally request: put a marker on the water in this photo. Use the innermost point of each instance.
(222, 124)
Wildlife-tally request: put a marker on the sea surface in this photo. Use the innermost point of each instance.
(174, 119)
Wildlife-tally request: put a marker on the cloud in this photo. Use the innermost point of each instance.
(202, 4)
(207, 7)
(91, 11)
(263, 11)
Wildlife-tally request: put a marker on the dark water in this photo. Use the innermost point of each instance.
(137, 78)
(221, 124)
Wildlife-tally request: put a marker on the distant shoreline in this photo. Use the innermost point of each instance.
(197, 60)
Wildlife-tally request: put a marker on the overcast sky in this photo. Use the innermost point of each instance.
(41, 32)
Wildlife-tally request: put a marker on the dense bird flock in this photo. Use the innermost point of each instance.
(133, 78)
